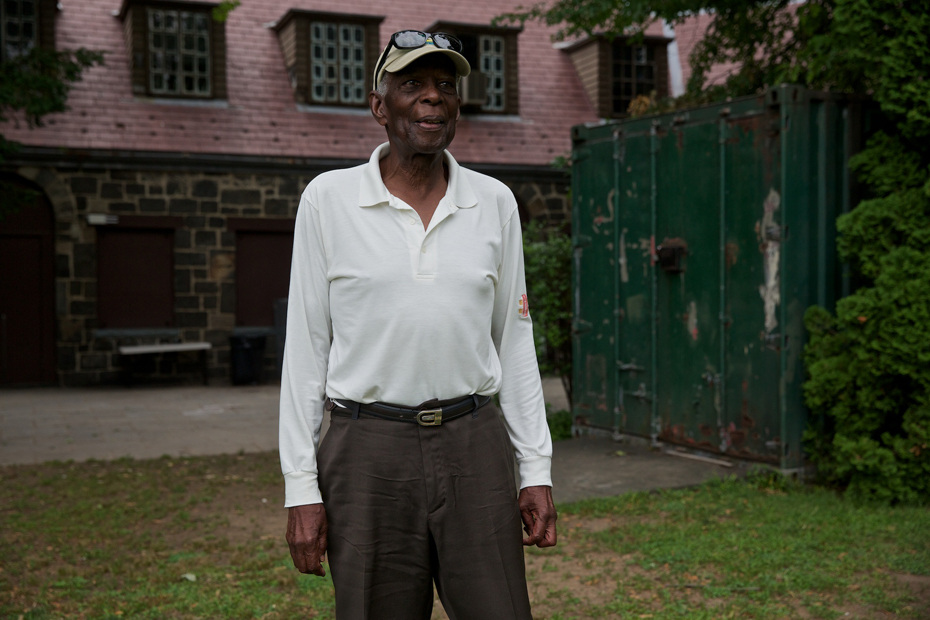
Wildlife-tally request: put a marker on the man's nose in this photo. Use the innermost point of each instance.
(430, 91)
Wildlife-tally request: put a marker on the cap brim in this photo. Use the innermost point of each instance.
(398, 59)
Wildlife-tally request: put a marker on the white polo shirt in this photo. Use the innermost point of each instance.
(382, 310)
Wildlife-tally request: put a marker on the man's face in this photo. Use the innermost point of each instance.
(420, 106)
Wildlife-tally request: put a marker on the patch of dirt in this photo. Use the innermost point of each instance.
(230, 503)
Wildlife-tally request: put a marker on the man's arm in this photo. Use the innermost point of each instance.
(306, 537)
(521, 396)
(538, 513)
(306, 356)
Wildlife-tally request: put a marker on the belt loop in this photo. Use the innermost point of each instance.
(474, 398)
(355, 407)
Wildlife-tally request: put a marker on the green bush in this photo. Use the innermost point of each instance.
(869, 365)
(560, 425)
(548, 256)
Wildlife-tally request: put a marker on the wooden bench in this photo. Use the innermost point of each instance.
(131, 351)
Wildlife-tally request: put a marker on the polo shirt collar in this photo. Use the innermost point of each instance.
(373, 192)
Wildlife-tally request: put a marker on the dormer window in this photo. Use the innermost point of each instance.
(177, 50)
(25, 25)
(616, 71)
(493, 86)
(329, 57)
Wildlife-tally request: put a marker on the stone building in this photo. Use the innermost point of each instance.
(166, 194)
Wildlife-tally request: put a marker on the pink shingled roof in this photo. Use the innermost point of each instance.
(262, 118)
(688, 34)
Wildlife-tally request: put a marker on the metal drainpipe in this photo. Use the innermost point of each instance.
(653, 151)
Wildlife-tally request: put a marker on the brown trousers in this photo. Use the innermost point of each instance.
(409, 506)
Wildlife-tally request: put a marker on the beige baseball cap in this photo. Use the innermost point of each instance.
(398, 58)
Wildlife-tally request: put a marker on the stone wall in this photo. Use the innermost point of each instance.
(204, 256)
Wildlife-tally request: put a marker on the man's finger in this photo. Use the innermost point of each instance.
(532, 526)
(315, 565)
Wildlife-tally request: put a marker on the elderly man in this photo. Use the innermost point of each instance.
(407, 312)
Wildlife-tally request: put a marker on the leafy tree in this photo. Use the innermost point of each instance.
(33, 86)
(869, 362)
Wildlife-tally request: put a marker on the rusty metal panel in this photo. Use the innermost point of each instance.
(594, 285)
(701, 238)
(636, 328)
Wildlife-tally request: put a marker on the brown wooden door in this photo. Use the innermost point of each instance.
(263, 266)
(27, 302)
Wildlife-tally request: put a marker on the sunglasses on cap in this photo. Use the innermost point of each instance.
(413, 39)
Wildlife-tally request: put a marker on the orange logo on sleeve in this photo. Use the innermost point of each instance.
(524, 306)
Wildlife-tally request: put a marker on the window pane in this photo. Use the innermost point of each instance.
(492, 65)
(636, 75)
(18, 29)
(337, 63)
(187, 74)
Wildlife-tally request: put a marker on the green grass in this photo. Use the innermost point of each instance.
(203, 538)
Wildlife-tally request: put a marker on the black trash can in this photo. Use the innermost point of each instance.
(246, 359)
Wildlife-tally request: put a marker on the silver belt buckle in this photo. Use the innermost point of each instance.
(430, 417)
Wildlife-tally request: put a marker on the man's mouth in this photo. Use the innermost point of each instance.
(431, 122)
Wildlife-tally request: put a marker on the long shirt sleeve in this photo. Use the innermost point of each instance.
(306, 355)
(521, 396)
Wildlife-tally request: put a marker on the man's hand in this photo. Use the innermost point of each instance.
(538, 514)
(306, 536)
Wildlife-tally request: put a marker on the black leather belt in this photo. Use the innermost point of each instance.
(431, 413)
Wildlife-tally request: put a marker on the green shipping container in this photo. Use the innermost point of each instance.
(701, 237)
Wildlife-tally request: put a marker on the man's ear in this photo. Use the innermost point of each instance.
(376, 105)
